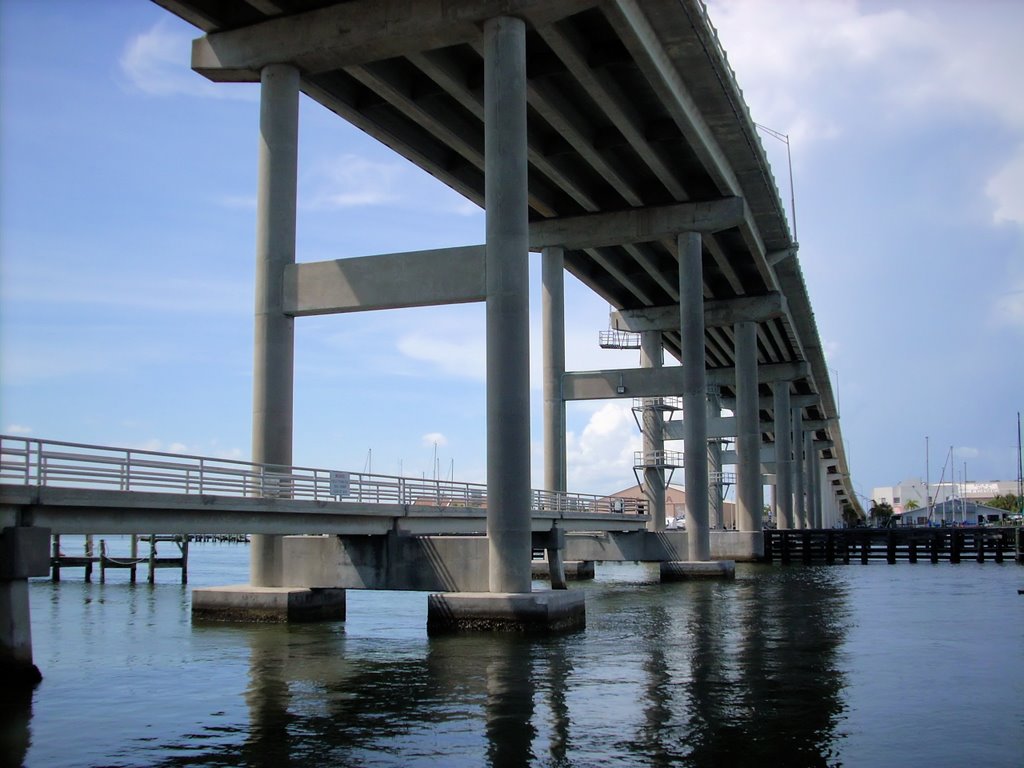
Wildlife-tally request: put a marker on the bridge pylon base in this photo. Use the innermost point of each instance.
(536, 612)
(698, 569)
(246, 603)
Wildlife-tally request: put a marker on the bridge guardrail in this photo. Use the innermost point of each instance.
(37, 462)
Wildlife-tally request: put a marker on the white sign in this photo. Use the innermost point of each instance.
(340, 483)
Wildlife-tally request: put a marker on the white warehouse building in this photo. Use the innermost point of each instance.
(914, 490)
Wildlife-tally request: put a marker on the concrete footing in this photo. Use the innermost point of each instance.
(246, 603)
(698, 569)
(575, 570)
(547, 611)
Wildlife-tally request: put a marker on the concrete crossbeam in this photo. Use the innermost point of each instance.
(717, 313)
(358, 32)
(638, 225)
(386, 281)
(659, 382)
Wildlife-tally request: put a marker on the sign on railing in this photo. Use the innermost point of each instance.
(27, 461)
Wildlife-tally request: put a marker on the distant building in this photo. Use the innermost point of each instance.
(914, 490)
(953, 512)
(675, 506)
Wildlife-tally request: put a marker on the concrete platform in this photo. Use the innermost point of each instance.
(246, 603)
(705, 569)
(575, 570)
(547, 611)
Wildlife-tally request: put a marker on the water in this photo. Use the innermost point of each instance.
(876, 665)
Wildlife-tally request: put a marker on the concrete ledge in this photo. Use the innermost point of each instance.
(18, 675)
(708, 569)
(575, 570)
(547, 611)
(246, 603)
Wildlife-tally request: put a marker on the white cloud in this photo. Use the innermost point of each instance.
(157, 62)
(453, 354)
(813, 47)
(18, 429)
(212, 449)
(434, 438)
(1008, 308)
(600, 458)
(1006, 190)
(351, 181)
(967, 452)
(79, 283)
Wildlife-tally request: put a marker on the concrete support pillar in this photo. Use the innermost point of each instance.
(809, 484)
(783, 457)
(553, 319)
(652, 356)
(716, 492)
(749, 489)
(273, 362)
(799, 506)
(819, 517)
(695, 417)
(508, 331)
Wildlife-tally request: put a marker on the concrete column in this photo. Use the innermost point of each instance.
(749, 489)
(783, 457)
(819, 506)
(652, 356)
(716, 495)
(274, 346)
(809, 484)
(799, 506)
(695, 417)
(553, 319)
(508, 332)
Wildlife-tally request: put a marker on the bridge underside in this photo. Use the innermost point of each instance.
(630, 107)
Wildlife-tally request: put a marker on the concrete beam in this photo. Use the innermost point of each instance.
(718, 427)
(768, 403)
(358, 32)
(637, 225)
(717, 313)
(658, 382)
(386, 281)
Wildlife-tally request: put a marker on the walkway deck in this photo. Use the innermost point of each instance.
(76, 488)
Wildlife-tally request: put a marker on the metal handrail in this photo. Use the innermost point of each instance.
(36, 462)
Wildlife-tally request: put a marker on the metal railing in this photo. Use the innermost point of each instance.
(34, 462)
(660, 459)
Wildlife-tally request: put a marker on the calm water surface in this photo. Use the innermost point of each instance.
(876, 665)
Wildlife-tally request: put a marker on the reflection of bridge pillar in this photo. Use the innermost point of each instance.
(695, 416)
(652, 356)
(810, 484)
(783, 457)
(553, 309)
(508, 331)
(273, 358)
(749, 489)
(799, 508)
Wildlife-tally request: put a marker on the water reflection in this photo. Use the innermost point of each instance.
(694, 674)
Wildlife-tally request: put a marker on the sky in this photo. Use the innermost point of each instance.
(127, 221)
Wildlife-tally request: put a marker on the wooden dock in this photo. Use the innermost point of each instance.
(89, 559)
(892, 545)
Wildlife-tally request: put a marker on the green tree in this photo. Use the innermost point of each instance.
(1007, 501)
(912, 504)
(881, 512)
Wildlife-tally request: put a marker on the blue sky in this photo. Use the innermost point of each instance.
(127, 190)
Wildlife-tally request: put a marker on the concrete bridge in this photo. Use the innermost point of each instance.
(611, 136)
